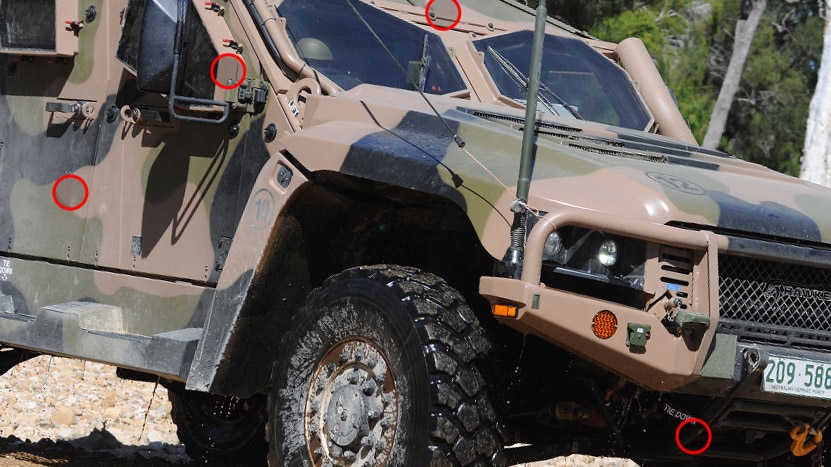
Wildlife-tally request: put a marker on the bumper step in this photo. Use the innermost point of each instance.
(96, 331)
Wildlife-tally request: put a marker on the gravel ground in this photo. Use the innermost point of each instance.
(59, 411)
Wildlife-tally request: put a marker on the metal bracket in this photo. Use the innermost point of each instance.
(692, 321)
(251, 96)
(222, 252)
(638, 334)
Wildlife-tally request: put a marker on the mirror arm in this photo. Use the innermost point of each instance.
(173, 99)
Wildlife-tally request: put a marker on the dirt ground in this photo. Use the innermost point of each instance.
(61, 412)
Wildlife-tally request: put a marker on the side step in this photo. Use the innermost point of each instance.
(96, 331)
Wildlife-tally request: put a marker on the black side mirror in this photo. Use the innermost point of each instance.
(160, 57)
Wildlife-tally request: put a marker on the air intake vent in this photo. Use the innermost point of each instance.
(521, 121)
(676, 272)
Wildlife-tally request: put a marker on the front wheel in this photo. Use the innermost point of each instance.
(379, 368)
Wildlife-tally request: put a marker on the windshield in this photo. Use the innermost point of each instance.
(576, 81)
(332, 38)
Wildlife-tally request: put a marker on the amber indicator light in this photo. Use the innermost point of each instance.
(506, 311)
(604, 324)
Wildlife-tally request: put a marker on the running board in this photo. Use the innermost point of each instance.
(95, 331)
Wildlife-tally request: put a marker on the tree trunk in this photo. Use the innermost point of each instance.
(816, 166)
(745, 30)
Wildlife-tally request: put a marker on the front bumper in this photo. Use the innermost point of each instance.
(667, 361)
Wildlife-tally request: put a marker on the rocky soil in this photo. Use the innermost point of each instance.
(57, 411)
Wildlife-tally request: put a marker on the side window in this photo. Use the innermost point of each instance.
(27, 24)
(128, 43)
(199, 54)
(36, 27)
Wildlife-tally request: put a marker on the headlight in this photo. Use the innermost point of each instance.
(595, 263)
(553, 249)
(607, 253)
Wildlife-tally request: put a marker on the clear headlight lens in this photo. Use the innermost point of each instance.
(553, 248)
(607, 253)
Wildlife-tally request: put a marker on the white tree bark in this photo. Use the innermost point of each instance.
(745, 30)
(816, 166)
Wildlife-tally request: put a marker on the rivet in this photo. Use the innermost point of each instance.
(91, 13)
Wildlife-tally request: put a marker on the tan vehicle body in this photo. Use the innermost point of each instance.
(190, 245)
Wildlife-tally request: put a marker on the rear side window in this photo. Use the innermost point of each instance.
(27, 24)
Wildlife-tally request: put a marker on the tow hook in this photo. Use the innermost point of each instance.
(799, 435)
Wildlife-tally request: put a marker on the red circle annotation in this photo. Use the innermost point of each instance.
(213, 73)
(440, 28)
(63, 179)
(692, 452)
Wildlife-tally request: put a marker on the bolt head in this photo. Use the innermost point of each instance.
(270, 132)
(370, 387)
(233, 130)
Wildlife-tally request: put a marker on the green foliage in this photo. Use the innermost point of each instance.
(767, 122)
(678, 35)
(691, 42)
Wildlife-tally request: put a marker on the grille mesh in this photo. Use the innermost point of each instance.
(763, 301)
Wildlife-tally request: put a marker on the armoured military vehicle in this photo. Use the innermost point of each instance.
(301, 217)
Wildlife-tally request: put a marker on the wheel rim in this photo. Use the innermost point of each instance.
(351, 414)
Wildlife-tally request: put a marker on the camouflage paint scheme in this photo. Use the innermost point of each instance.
(195, 245)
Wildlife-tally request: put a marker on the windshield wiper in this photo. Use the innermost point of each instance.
(418, 69)
(513, 72)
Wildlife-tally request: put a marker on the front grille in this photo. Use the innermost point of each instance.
(778, 303)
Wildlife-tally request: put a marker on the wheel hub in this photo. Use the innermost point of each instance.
(351, 413)
(348, 416)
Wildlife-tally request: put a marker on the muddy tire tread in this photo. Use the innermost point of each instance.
(465, 432)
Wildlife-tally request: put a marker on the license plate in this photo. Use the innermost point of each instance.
(786, 375)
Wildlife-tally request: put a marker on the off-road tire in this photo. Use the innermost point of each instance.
(220, 430)
(389, 320)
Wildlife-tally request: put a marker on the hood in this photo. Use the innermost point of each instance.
(392, 137)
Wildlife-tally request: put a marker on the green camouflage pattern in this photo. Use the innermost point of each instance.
(194, 242)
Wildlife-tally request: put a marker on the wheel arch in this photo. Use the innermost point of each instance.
(331, 225)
